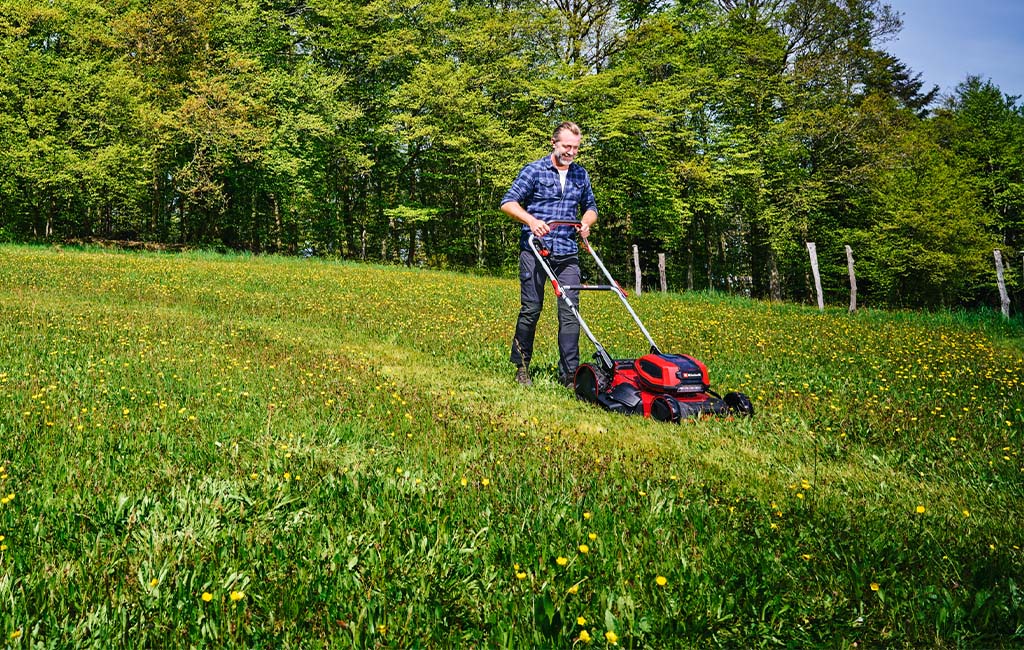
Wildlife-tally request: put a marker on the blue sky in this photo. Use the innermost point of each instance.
(946, 40)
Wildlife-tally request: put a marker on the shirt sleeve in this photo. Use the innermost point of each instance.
(522, 188)
(587, 200)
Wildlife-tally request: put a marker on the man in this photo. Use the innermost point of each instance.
(554, 188)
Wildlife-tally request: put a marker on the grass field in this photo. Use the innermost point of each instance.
(199, 450)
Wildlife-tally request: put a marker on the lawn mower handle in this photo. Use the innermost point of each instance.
(541, 253)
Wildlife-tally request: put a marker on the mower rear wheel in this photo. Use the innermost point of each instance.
(589, 382)
(665, 408)
(739, 404)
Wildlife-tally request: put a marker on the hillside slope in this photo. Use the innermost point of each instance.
(266, 451)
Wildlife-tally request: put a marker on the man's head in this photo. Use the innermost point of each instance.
(565, 144)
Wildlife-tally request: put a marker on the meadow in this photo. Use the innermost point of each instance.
(232, 451)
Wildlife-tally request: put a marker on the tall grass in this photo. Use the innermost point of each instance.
(200, 450)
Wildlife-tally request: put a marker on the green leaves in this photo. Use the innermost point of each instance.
(724, 134)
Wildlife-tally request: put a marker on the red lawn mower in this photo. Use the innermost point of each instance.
(666, 387)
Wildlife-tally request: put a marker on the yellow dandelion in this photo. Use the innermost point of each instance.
(874, 586)
(561, 561)
(588, 515)
(573, 589)
(207, 596)
(612, 637)
(16, 634)
(584, 548)
(920, 510)
(520, 574)
(967, 513)
(592, 536)
(464, 481)
(585, 636)
(154, 582)
(661, 581)
(581, 621)
(485, 482)
(237, 595)
(382, 629)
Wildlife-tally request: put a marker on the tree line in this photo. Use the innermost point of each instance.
(724, 133)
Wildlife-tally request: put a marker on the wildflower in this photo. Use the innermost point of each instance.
(874, 586)
(920, 510)
(561, 561)
(520, 574)
(584, 636)
(967, 513)
(661, 581)
(588, 515)
(16, 634)
(573, 589)
(154, 582)
(592, 536)
(485, 482)
(237, 595)
(382, 629)
(581, 621)
(584, 549)
(612, 637)
(207, 596)
(464, 482)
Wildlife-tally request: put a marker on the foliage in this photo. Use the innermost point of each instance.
(245, 452)
(723, 133)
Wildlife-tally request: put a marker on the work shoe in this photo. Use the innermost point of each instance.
(523, 377)
(567, 380)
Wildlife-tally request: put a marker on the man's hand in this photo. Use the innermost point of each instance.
(584, 229)
(539, 228)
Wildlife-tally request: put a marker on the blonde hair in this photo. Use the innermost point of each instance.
(571, 127)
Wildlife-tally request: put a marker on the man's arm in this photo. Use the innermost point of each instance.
(538, 227)
(589, 208)
(586, 221)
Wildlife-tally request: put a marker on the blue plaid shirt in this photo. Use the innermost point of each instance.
(538, 189)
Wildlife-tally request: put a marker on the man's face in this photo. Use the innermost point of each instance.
(566, 147)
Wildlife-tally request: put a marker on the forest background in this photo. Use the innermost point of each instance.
(724, 133)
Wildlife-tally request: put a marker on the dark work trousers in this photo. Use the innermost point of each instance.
(532, 280)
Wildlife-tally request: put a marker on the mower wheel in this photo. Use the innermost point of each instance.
(589, 382)
(665, 408)
(739, 404)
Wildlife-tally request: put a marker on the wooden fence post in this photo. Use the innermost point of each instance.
(1004, 299)
(813, 251)
(661, 272)
(636, 266)
(853, 280)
